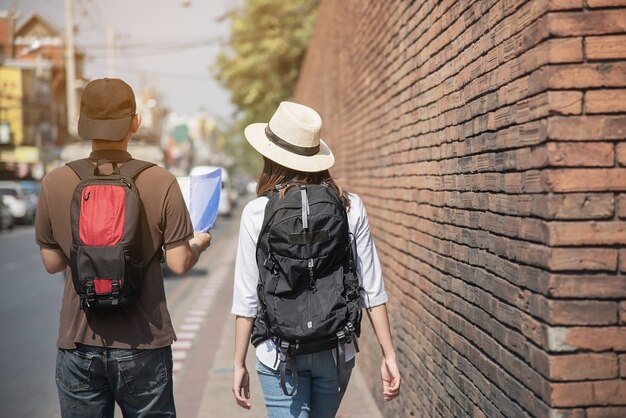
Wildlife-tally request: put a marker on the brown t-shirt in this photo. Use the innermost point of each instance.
(146, 324)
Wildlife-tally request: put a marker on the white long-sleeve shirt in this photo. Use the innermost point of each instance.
(245, 300)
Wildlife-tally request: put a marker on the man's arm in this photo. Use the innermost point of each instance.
(53, 260)
(183, 257)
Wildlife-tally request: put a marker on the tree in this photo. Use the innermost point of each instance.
(260, 63)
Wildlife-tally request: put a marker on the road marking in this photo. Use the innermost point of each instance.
(190, 327)
(199, 309)
(186, 335)
(181, 345)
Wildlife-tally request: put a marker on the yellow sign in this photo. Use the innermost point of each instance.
(27, 155)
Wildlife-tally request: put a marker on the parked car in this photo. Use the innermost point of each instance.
(31, 189)
(228, 197)
(6, 217)
(21, 208)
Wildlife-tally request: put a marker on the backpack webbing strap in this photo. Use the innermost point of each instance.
(341, 362)
(132, 168)
(83, 168)
(346, 335)
(286, 357)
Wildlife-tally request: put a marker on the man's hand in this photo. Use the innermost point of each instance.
(201, 239)
(184, 256)
(241, 387)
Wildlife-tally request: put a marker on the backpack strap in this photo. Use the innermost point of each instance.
(286, 356)
(132, 168)
(83, 168)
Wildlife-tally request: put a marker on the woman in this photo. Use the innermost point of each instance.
(295, 155)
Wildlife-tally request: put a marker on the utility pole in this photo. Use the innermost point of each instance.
(70, 68)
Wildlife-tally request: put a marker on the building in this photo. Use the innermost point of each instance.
(33, 113)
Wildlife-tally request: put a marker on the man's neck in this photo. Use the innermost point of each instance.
(97, 145)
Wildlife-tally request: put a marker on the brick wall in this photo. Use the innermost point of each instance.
(488, 141)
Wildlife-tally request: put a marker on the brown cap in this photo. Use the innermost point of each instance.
(107, 108)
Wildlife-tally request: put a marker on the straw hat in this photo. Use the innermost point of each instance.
(292, 139)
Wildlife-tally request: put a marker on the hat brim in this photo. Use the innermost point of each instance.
(323, 160)
(108, 130)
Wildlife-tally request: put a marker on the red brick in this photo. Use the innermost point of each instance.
(622, 315)
(587, 23)
(574, 206)
(605, 47)
(587, 128)
(565, 50)
(585, 180)
(621, 206)
(581, 312)
(604, 392)
(565, 4)
(606, 3)
(586, 233)
(565, 102)
(606, 412)
(584, 366)
(577, 76)
(621, 358)
(605, 101)
(566, 259)
(621, 154)
(587, 338)
(581, 286)
(580, 154)
(622, 260)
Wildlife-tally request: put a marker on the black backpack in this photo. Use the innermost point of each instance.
(308, 287)
(106, 219)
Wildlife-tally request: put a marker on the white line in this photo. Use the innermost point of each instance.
(190, 327)
(186, 335)
(197, 312)
(195, 319)
(181, 345)
(179, 355)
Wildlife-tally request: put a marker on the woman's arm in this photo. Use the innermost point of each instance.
(241, 381)
(389, 369)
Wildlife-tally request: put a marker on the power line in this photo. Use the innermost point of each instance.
(158, 45)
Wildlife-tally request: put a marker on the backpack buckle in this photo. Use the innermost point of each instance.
(115, 292)
(271, 265)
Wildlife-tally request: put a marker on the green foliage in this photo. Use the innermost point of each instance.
(260, 64)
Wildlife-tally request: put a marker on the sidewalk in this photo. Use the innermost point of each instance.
(216, 399)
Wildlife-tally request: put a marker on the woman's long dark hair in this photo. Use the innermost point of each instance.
(274, 174)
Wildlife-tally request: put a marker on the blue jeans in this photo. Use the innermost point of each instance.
(317, 395)
(91, 379)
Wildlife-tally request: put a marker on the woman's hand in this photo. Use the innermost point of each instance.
(241, 387)
(390, 378)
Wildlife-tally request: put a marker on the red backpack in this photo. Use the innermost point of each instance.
(106, 218)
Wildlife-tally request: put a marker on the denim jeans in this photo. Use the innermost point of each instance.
(317, 395)
(91, 379)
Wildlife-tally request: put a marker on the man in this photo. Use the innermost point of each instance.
(121, 354)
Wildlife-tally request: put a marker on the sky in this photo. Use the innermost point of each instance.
(170, 44)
